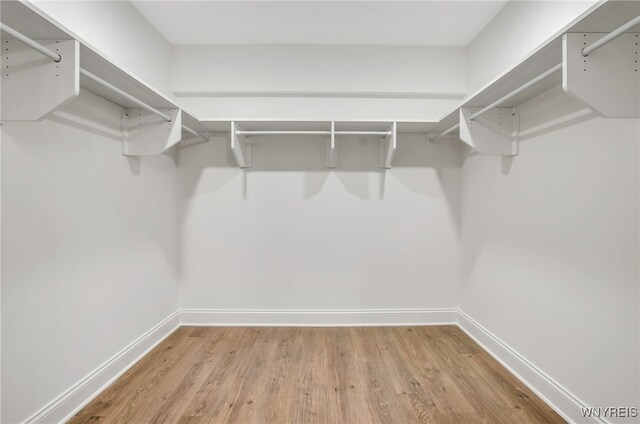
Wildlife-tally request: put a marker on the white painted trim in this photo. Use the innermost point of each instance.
(324, 94)
(80, 394)
(69, 403)
(317, 318)
(565, 403)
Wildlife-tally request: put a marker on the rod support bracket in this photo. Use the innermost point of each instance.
(33, 85)
(240, 146)
(494, 133)
(332, 148)
(608, 79)
(388, 145)
(431, 137)
(200, 136)
(146, 134)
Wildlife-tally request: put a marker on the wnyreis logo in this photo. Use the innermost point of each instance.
(610, 412)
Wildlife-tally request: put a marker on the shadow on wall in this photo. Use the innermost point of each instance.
(358, 159)
(550, 111)
(87, 113)
(542, 120)
(77, 151)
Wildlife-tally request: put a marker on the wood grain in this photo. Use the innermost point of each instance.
(208, 375)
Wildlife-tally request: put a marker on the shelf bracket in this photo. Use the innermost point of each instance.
(145, 134)
(332, 151)
(32, 84)
(200, 137)
(388, 147)
(608, 79)
(449, 135)
(494, 133)
(241, 147)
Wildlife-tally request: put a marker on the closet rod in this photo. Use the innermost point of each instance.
(57, 58)
(136, 101)
(123, 94)
(518, 90)
(189, 130)
(31, 43)
(193, 132)
(611, 36)
(384, 133)
(283, 132)
(450, 130)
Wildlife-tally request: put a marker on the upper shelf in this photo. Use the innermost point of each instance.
(223, 126)
(602, 17)
(29, 20)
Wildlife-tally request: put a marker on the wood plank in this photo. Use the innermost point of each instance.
(208, 375)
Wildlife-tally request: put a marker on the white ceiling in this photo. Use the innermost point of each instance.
(434, 23)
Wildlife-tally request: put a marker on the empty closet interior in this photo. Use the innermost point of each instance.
(365, 178)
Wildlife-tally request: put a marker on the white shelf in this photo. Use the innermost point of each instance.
(223, 126)
(603, 17)
(30, 21)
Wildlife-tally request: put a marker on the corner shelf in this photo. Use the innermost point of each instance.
(406, 127)
(602, 17)
(29, 20)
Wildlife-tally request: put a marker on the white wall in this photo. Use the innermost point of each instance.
(518, 29)
(90, 240)
(550, 248)
(291, 234)
(318, 108)
(319, 69)
(317, 82)
(88, 250)
(118, 31)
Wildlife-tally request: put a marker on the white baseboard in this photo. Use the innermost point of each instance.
(560, 399)
(70, 402)
(552, 393)
(317, 318)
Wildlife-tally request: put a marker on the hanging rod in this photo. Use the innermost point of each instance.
(123, 94)
(136, 101)
(57, 58)
(452, 129)
(611, 36)
(240, 132)
(443, 133)
(384, 133)
(518, 90)
(189, 130)
(193, 132)
(31, 43)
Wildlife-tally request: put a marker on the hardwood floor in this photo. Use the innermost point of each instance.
(212, 375)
